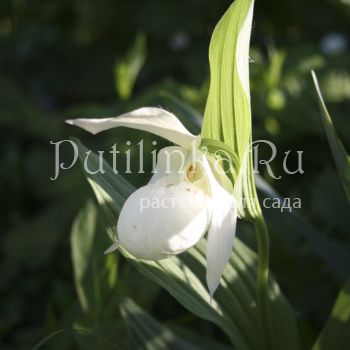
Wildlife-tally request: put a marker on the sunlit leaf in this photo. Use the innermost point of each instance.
(94, 273)
(146, 333)
(127, 69)
(340, 155)
(336, 333)
(227, 116)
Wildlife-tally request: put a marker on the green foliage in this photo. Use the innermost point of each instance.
(227, 114)
(336, 333)
(95, 275)
(295, 226)
(234, 308)
(147, 333)
(342, 159)
(127, 69)
(79, 332)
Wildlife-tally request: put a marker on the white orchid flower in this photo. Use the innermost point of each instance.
(194, 196)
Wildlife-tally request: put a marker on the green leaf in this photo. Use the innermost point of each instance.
(227, 116)
(336, 333)
(94, 273)
(340, 155)
(292, 225)
(146, 333)
(234, 308)
(76, 331)
(127, 69)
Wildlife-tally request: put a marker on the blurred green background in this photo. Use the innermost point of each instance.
(60, 59)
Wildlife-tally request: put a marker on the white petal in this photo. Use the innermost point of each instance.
(171, 162)
(154, 120)
(163, 219)
(221, 230)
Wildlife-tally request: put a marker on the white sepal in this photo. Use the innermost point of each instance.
(221, 231)
(154, 120)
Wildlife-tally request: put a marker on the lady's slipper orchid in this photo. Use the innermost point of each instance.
(192, 195)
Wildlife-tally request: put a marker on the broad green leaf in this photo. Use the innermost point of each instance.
(94, 274)
(234, 308)
(127, 69)
(336, 333)
(145, 333)
(341, 158)
(227, 116)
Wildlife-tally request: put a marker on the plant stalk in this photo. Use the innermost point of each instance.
(263, 276)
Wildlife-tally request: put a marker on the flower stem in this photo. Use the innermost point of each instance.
(263, 276)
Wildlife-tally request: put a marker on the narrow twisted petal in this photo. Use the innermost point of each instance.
(221, 230)
(154, 120)
(163, 219)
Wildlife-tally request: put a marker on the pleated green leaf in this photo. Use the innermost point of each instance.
(341, 158)
(234, 308)
(336, 333)
(227, 116)
(95, 275)
(146, 333)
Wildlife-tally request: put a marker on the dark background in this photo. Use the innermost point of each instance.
(58, 59)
